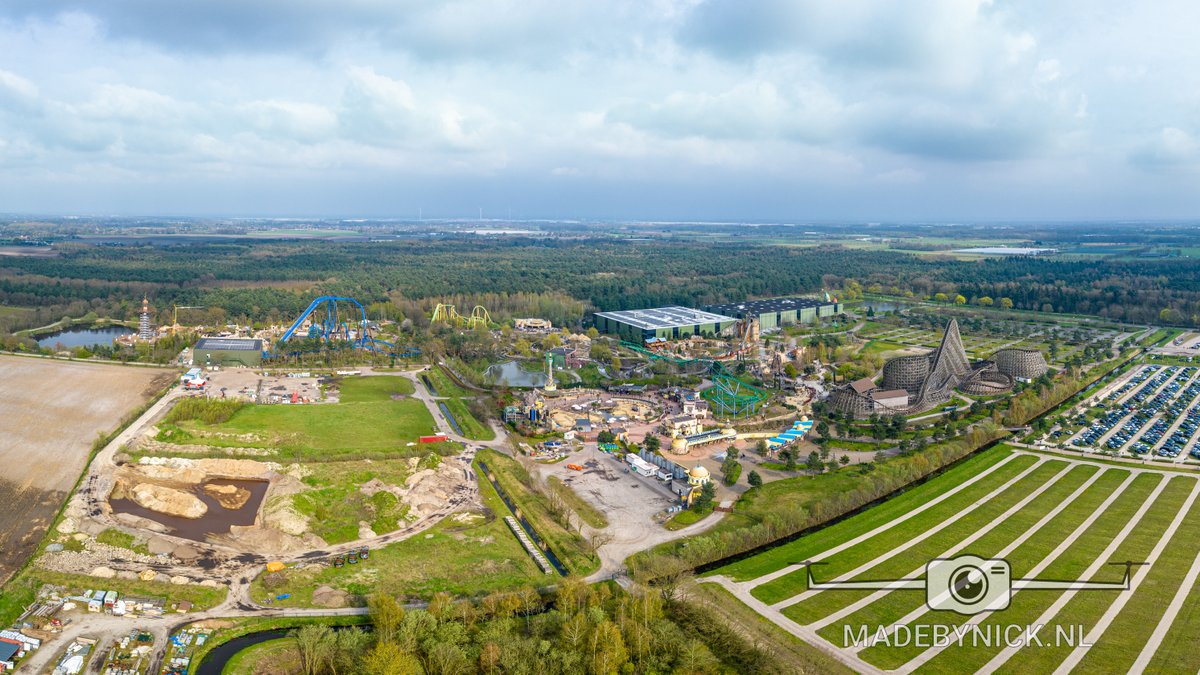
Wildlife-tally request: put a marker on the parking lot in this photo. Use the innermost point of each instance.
(258, 386)
(634, 505)
(1154, 412)
(1187, 344)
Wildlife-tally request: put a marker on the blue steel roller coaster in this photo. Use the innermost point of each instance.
(327, 325)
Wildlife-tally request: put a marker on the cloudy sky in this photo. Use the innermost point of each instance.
(658, 109)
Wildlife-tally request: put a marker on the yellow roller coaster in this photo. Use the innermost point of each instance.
(479, 317)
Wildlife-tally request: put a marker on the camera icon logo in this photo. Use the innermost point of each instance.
(968, 584)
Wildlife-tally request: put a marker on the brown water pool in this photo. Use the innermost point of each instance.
(218, 520)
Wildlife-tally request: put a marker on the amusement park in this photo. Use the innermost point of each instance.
(350, 447)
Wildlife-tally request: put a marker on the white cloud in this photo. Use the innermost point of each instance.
(830, 96)
(1170, 148)
(16, 92)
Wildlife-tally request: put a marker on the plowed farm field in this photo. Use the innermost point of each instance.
(50, 413)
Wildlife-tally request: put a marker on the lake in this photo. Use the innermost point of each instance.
(511, 374)
(84, 337)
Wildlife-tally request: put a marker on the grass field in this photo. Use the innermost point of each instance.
(272, 656)
(1050, 518)
(452, 396)
(443, 384)
(121, 539)
(335, 505)
(471, 427)
(367, 422)
(377, 388)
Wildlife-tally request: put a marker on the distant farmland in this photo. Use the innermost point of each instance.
(52, 412)
(1052, 518)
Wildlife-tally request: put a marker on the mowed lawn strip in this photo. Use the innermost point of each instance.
(328, 431)
(1028, 605)
(1178, 653)
(796, 582)
(1122, 641)
(442, 383)
(894, 606)
(779, 557)
(806, 547)
(902, 560)
(374, 388)
(471, 427)
(1088, 606)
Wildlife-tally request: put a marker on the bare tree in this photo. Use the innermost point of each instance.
(316, 643)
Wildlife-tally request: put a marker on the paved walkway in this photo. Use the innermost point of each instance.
(1012, 546)
(1114, 609)
(1099, 563)
(1168, 618)
(918, 539)
(953, 550)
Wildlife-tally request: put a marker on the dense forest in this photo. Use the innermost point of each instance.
(598, 629)
(561, 278)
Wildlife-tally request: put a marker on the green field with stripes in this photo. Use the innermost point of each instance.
(1055, 521)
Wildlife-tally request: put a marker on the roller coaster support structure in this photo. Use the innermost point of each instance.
(730, 396)
(326, 324)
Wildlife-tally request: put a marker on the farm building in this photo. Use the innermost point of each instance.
(668, 323)
(212, 351)
(779, 311)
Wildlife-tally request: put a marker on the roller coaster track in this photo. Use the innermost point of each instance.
(731, 397)
(326, 324)
(479, 317)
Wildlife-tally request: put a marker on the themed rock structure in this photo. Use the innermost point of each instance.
(930, 379)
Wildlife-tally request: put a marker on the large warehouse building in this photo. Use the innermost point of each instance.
(779, 311)
(218, 351)
(640, 325)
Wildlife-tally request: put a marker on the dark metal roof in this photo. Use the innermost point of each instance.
(230, 344)
(754, 307)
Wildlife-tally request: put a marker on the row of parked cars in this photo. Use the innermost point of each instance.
(1091, 436)
(1189, 422)
(1144, 413)
(1155, 386)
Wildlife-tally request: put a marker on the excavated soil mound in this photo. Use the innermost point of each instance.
(326, 596)
(230, 497)
(167, 500)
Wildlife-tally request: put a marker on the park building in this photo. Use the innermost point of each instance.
(663, 323)
(227, 351)
(777, 312)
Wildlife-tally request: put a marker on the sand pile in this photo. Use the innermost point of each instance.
(428, 490)
(229, 497)
(168, 500)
